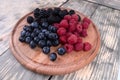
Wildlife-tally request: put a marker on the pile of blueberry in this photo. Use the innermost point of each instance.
(40, 31)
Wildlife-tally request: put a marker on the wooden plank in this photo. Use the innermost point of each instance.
(110, 3)
(11, 69)
(105, 65)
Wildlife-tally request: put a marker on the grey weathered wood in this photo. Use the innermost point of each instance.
(110, 3)
(11, 69)
(105, 65)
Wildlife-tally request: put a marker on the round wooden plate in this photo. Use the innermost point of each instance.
(37, 61)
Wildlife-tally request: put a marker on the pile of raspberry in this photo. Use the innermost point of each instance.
(53, 27)
(71, 30)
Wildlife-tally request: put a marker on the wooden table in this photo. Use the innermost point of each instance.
(104, 13)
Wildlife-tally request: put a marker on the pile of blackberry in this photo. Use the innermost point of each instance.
(40, 31)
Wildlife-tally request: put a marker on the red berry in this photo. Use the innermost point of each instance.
(72, 39)
(77, 34)
(79, 28)
(73, 21)
(63, 39)
(67, 17)
(72, 27)
(56, 25)
(78, 46)
(79, 40)
(86, 20)
(87, 46)
(61, 31)
(75, 17)
(68, 34)
(85, 25)
(68, 47)
(84, 33)
(64, 23)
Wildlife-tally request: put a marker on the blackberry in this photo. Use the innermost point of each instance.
(43, 20)
(30, 19)
(56, 11)
(50, 10)
(71, 12)
(51, 19)
(62, 13)
(43, 13)
(36, 12)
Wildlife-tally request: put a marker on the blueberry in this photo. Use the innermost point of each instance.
(32, 44)
(27, 34)
(61, 51)
(46, 50)
(53, 56)
(23, 33)
(43, 30)
(44, 25)
(55, 43)
(53, 36)
(34, 24)
(52, 29)
(42, 43)
(30, 19)
(49, 43)
(36, 31)
(27, 28)
(47, 33)
(21, 39)
(36, 39)
(33, 35)
(27, 40)
(41, 35)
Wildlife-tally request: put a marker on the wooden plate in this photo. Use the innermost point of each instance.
(36, 61)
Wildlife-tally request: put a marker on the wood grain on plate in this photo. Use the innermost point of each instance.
(37, 61)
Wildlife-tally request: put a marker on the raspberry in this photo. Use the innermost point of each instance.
(64, 23)
(79, 40)
(78, 46)
(86, 20)
(67, 17)
(77, 34)
(72, 39)
(63, 39)
(72, 27)
(87, 46)
(68, 34)
(56, 25)
(75, 17)
(85, 25)
(79, 28)
(73, 21)
(84, 33)
(61, 31)
(68, 47)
